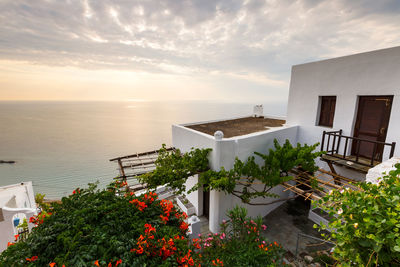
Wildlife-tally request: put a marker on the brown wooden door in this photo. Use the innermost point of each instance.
(371, 124)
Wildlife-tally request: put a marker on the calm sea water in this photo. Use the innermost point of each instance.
(63, 145)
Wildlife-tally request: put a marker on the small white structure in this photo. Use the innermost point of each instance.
(258, 111)
(17, 202)
(350, 104)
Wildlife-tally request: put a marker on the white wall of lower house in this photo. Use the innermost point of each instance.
(223, 154)
(347, 78)
(16, 200)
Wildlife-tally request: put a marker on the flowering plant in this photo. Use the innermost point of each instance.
(366, 222)
(101, 228)
(238, 244)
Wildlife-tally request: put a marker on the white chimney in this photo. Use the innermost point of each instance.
(258, 111)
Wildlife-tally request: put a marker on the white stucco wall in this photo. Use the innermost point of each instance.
(371, 73)
(15, 200)
(223, 155)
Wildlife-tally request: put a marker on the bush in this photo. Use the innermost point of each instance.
(238, 244)
(367, 223)
(93, 227)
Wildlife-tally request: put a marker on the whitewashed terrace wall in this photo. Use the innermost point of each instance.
(372, 73)
(15, 199)
(223, 155)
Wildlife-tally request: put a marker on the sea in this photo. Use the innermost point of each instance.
(60, 146)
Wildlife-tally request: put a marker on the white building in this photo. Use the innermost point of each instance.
(17, 202)
(357, 94)
(365, 89)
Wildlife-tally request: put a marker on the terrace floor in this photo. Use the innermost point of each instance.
(237, 127)
(290, 227)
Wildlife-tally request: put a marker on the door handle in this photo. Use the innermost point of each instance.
(382, 131)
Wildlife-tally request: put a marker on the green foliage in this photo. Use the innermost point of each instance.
(367, 222)
(99, 225)
(272, 172)
(238, 244)
(173, 168)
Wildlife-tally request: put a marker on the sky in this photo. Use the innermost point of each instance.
(138, 50)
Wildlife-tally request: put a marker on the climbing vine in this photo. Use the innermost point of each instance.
(246, 180)
(173, 168)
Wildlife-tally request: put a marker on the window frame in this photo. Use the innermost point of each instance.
(327, 108)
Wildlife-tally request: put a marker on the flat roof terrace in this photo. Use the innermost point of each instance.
(237, 127)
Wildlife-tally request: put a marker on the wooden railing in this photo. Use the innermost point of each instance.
(331, 144)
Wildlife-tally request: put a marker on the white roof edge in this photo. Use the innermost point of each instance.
(16, 185)
(233, 118)
(350, 55)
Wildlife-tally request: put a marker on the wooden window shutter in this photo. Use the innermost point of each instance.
(327, 111)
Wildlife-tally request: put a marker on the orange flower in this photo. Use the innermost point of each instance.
(10, 244)
(109, 264)
(149, 229)
(140, 205)
(217, 262)
(97, 263)
(184, 226)
(139, 251)
(33, 258)
(164, 219)
(52, 264)
(16, 237)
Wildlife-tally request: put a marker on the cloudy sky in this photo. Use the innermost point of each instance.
(229, 50)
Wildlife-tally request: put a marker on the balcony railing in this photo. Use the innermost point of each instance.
(331, 143)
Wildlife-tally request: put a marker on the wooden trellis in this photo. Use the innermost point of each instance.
(309, 186)
(132, 166)
(318, 185)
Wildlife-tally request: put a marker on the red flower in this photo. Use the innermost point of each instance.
(217, 262)
(10, 244)
(76, 191)
(16, 237)
(140, 205)
(184, 226)
(167, 206)
(149, 228)
(33, 258)
(97, 263)
(52, 264)
(118, 262)
(164, 219)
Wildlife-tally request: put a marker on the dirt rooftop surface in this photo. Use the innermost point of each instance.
(237, 127)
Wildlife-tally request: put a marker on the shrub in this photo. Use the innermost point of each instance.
(99, 227)
(238, 244)
(367, 222)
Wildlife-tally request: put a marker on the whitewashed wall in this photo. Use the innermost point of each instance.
(223, 155)
(372, 73)
(15, 200)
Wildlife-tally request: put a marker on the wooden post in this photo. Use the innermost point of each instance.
(338, 143)
(323, 141)
(392, 150)
(121, 170)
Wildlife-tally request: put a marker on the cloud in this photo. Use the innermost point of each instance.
(251, 39)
